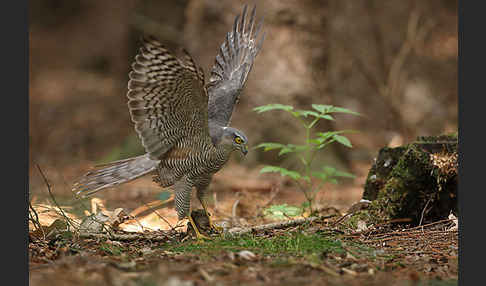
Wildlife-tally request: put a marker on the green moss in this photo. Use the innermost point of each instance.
(380, 171)
(403, 193)
(367, 216)
(295, 243)
(111, 249)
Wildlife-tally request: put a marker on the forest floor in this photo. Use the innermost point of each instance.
(146, 246)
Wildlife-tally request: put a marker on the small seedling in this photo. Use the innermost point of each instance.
(310, 178)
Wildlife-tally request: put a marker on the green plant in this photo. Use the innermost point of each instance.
(282, 211)
(310, 178)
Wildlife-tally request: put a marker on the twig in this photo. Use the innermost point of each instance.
(233, 211)
(341, 219)
(151, 206)
(432, 223)
(374, 227)
(68, 220)
(234, 231)
(35, 220)
(124, 237)
(215, 199)
(276, 225)
(161, 217)
(423, 211)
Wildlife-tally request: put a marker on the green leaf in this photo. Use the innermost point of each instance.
(298, 148)
(285, 151)
(344, 174)
(282, 211)
(305, 204)
(329, 174)
(323, 136)
(273, 106)
(329, 170)
(333, 181)
(289, 148)
(267, 146)
(326, 116)
(332, 172)
(322, 108)
(343, 110)
(328, 137)
(343, 140)
(305, 113)
(283, 172)
(320, 175)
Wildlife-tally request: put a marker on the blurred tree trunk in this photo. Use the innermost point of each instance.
(294, 74)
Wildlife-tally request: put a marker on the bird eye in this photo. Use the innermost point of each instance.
(238, 140)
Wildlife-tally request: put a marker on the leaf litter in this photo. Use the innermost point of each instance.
(148, 247)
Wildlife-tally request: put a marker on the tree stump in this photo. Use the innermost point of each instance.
(416, 181)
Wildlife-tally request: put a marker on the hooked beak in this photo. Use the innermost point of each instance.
(244, 149)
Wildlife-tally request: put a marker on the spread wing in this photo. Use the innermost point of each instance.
(167, 99)
(231, 67)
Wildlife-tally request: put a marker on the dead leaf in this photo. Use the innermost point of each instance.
(246, 254)
(349, 271)
(57, 226)
(456, 222)
(361, 226)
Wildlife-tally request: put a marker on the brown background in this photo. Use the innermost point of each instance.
(393, 61)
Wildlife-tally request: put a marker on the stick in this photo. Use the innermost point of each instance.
(125, 237)
(68, 220)
(234, 231)
(276, 225)
(161, 217)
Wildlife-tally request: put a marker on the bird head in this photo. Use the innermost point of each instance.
(235, 139)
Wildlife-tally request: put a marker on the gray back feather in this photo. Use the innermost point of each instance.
(231, 68)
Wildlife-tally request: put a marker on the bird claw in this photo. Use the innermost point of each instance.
(216, 228)
(200, 236)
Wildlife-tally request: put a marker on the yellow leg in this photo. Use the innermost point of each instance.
(216, 228)
(199, 235)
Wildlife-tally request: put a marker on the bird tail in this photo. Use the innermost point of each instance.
(114, 173)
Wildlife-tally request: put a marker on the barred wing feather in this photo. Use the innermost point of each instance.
(231, 67)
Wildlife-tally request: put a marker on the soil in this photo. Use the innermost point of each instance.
(149, 247)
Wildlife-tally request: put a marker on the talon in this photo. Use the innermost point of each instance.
(216, 228)
(199, 235)
(212, 226)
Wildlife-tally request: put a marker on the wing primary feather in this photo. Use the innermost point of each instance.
(260, 42)
(236, 39)
(258, 28)
(232, 65)
(224, 54)
(252, 21)
(243, 20)
(230, 51)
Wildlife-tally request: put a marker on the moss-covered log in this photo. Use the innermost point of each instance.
(416, 181)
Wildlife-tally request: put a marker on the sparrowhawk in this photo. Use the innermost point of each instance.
(182, 120)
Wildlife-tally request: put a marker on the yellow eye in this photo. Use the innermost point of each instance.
(238, 140)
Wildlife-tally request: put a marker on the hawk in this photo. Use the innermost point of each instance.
(182, 120)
